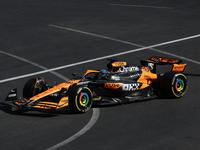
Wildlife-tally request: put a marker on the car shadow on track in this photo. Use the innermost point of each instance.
(6, 108)
(44, 114)
(159, 97)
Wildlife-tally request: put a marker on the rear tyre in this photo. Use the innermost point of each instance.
(33, 87)
(173, 84)
(80, 99)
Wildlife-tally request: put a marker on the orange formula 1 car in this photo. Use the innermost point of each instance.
(121, 83)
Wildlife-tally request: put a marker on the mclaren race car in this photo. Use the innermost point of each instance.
(120, 83)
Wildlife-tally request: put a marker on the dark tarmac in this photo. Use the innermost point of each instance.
(38, 35)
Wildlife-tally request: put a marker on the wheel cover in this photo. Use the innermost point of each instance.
(179, 85)
(84, 99)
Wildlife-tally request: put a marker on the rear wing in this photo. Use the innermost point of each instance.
(156, 60)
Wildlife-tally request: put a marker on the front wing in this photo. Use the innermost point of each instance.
(26, 104)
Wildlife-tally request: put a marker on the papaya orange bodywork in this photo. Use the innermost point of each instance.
(121, 79)
(46, 105)
(112, 86)
(165, 60)
(178, 67)
(63, 102)
(118, 64)
(146, 77)
(54, 89)
(90, 71)
(52, 105)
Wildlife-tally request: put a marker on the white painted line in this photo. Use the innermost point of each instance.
(92, 34)
(125, 42)
(66, 66)
(34, 64)
(130, 43)
(177, 56)
(108, 56)
(141, 6)
(93, 120)
(96, 111)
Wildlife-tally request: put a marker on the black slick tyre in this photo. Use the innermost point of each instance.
(33, 87)
(80, 99)
(173, 84)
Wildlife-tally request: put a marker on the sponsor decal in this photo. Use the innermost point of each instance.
(165, 60)
(181, 67)
(178, 68)
(146, 76)
(12, 95)
(116, 78)
(112, 85)
(128, 69)
(151, 65)
(118, 64)
(135, 76)
(130, 87)
(145, 69)
(81, 83)
(64, 100)
(172, 61)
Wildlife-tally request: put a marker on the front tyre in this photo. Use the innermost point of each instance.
(173, 84)
(80, 99)
(33, 87)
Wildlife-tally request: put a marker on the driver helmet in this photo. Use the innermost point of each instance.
(103, 74)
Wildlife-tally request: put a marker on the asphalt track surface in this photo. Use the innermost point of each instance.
(41, 35)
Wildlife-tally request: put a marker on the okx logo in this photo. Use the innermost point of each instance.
(131, 87)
